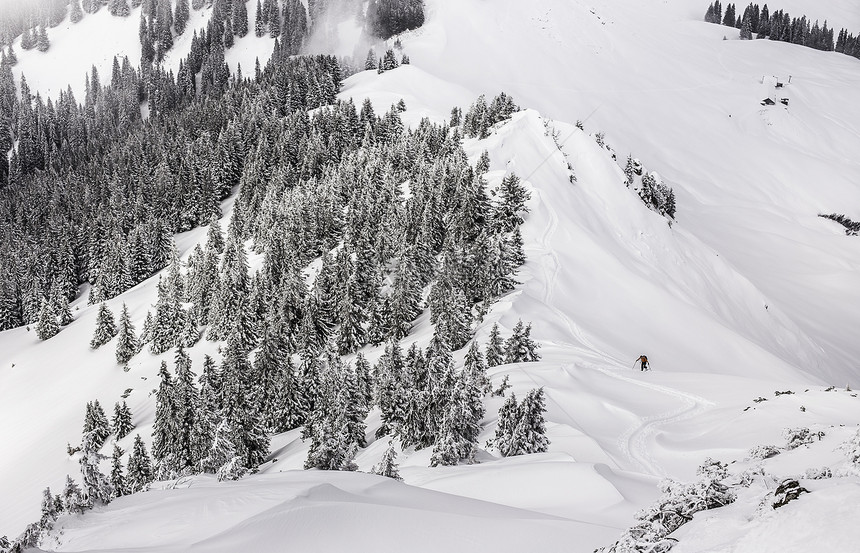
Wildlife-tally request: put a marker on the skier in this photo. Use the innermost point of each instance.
(644, 366)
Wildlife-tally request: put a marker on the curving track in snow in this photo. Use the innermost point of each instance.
(634, 442)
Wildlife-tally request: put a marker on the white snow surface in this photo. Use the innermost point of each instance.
(747, 293)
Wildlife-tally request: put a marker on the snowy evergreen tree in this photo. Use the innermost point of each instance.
(521, 429)
(181, 15)
(127, 344)
(513, 197)
(49, 510)
(96, 423)
(520, 348)
(458, 436)
(73, 498)
(121, 421)
(96, 486)
(47, 326)
(42, 42)
(387, 465)
(476, 368)
(240, 18)
(530, 432)
(117, 478)
(165, 431)
(139, 469)
(495, 351)
(105, 327)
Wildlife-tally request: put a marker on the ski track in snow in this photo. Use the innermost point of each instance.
(634, 441)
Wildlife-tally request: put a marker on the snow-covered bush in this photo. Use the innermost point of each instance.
(796, 437)
(818, 473)
(852, 450)
(763, 452)
(675, 508)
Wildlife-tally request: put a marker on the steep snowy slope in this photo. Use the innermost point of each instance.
(749, 292)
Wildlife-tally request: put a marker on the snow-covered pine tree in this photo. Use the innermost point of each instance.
(364, 380)
(513, 197)
(127, 344)
(61, 305)
(117, 478)
(121, 421)
(475, 367)
(520, 348)
(165, 431)
(139, 468)
(530, 432)
(259, 20)
(275, 384)
(49, 510)
(42, 42)
(388, 465)
(96, 486)
(181, 15)
(531, 347)
(146, 332)
(370, 61)
(73, 498)
(240, 18)
(458, 436)
(186, 403)
(105, 327)
(96, 422)
(164, 324)
(495, 351)
(47, 326)
(507, 423)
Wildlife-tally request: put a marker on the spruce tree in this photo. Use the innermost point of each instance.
(121, 421)
(506, 425)
(42, 42)
(73, 498)
(117, 478)
(240, 18)
(495, 351)
(387, 465)
(127, 344)
(520, 348)
(259, 21)
(47, 326)
(96, 486)
(96, 423)
(139, 469)
(458, 436)
(105, 327)
(181, 15)
(165, 431)
(529, 435)
(476, 369)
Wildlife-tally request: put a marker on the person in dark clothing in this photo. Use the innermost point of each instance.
(643, 360)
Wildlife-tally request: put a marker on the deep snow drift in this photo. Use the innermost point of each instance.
(749, 292)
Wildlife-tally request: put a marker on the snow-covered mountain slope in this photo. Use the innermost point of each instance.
(748, 293)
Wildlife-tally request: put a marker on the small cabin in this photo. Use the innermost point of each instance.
(767, 102)
(783, 101)
(779, 84)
